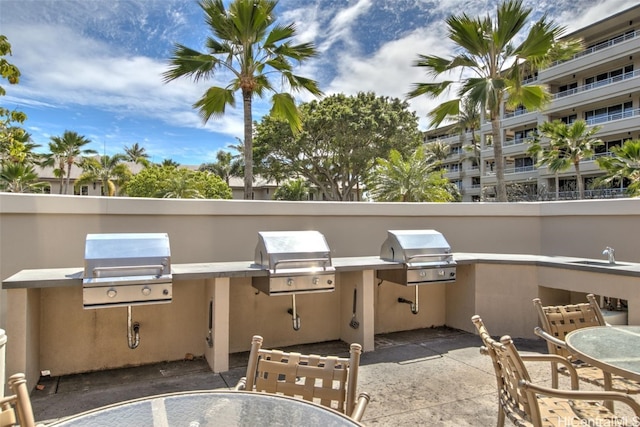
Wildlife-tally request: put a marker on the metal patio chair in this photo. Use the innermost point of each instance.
(528, 404)
(557, 321)
(16, 408)
(327, 380)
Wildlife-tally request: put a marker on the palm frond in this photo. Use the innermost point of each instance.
(443, 111)
(284, 107)
(433, 90)
(214, 102)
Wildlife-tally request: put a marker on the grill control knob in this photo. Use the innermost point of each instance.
(423, 273)
(111, 293)
(441, 273)
(289, 281)
(146, 291)
(315, 280)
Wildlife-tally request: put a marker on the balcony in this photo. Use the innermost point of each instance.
(48, 328)
(607, 51)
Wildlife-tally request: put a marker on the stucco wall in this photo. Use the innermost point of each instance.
(49, 231)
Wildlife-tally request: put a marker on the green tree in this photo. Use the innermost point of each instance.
(70, 149)
(468, 120)
(109, 171)
(568, 146)
(437, 152)
(170, 181)
(170, 163)
(295, 189)
(625, 164)
(180, 186)
(494, 66)
(12, 136)
(136, 154)
(246, 42)
(342, 137)
(19, 178)
(225, 167)
(21, 150)
(57, 160)
(413, 180)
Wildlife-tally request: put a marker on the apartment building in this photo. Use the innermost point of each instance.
(600, 85)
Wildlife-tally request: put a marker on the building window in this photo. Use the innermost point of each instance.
(524, 164)
(567, 89)
(605, 114)
(84, 190)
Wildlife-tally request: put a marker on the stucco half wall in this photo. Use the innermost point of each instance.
(49, 231)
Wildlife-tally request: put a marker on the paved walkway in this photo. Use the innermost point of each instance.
(431, 377)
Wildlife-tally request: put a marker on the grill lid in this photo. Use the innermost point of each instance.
(288, 250)
(127, 254)
(124, 269)
(416, 247)
(297, 261)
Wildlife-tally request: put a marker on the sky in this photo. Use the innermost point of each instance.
(95, 66)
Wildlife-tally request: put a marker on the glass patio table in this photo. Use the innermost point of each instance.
(614, 349)
(210, 408)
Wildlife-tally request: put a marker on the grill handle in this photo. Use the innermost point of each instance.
(324, 261)
(412, 257)
(97, 271)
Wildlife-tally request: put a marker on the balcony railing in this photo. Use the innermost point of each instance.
(445, 136)
(603, 193)
(602, 45)
(515, 141)
(515, 113)
(598, 84)
(514, 170)
(603, 118)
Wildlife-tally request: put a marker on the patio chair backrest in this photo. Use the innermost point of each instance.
(328, 380)
(16, 408)
(559, 320)
(509, 369)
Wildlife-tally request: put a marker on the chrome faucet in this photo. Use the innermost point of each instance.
(610, 252)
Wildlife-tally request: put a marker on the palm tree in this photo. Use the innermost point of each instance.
(411, 180)
(136, 154)
(180, 186)
(625, 164)
(494, 66)
(19, 178)
(57, 160)
(569, 145)
(295, 189)
(170, 163)
(225, 167)
(468, 120)
(437, 152)
(108, 170)
(247, 43)
(69, 148)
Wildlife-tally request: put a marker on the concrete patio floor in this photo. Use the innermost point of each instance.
(434, 377)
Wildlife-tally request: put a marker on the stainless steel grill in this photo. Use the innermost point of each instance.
(425, 256)
(297, 262)
(124, 269)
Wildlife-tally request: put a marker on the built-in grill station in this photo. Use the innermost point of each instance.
(126, 269)
(296, 262)
(425, 257)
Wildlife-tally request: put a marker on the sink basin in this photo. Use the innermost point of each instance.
(598, 263)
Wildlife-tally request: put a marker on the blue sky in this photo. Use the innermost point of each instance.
(94, 66)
